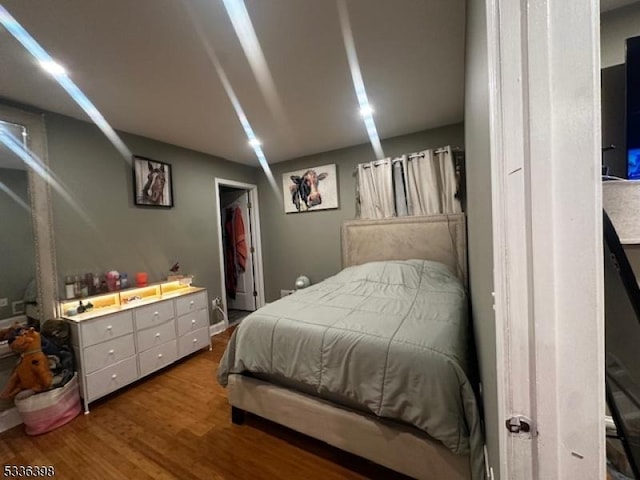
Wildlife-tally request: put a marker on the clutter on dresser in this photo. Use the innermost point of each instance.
(131, 333)
(88, 284)
(141, 279)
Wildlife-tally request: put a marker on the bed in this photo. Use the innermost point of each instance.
(372, 360)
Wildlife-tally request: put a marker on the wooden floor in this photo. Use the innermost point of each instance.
(176, 425)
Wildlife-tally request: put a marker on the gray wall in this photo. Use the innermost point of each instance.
(615, 27)
(480, 236)
(17, 254)
(101, 229)
(309, 243)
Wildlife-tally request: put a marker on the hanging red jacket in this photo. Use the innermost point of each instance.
(240, 240)
(235, 249)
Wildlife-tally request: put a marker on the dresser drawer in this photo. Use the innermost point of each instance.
(111, 378)
(193, 341)
(155, 314)
(191, 303)
(107, 353)
(106, 328)
(192, 321)
(156, 336)
(158, 357)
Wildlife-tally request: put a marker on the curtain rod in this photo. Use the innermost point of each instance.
(409, 157)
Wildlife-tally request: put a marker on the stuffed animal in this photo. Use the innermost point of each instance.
(32, 372)
(9, 333)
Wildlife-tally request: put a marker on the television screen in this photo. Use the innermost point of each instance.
(633, 163)
(633, 107)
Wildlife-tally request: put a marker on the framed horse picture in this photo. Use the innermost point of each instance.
(152, 186)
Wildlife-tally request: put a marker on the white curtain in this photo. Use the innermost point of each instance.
(448, 182)
(399, 185)
(375, 189)
(422, 183)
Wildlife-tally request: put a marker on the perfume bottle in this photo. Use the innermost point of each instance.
(69, 287)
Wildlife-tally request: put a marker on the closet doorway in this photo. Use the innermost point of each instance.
(241, 278)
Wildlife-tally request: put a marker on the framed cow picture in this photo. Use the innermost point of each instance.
(309, 189)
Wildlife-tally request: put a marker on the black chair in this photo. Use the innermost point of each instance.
(622, 344)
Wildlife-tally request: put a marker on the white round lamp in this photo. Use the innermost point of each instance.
(302, 282)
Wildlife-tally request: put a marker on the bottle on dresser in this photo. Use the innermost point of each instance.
(77, 286)
(84, 287)
(69, 287)
(88, 280)
(96, 284)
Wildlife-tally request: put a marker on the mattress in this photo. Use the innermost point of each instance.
(388, 338)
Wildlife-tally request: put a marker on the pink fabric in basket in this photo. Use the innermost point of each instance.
(47, 411)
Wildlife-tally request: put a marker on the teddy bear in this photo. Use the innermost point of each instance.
(32, 372)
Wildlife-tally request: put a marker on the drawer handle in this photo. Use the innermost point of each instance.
(193, 322)
(159, 355)
(109, 327)
(195, 340)
(156, 313)
(157, 335)
(114, 376)
(192, 302)
(111, 352)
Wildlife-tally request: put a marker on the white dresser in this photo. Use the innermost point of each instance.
(116, 345)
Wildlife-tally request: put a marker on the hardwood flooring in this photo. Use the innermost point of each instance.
(176, 424)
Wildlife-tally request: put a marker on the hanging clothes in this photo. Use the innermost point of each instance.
(240, 240)
(235, 250)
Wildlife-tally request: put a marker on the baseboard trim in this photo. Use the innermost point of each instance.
(217, 328)
(9, 419)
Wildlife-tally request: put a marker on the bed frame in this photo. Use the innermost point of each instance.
(401, 448)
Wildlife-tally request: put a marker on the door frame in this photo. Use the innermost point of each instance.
(544, 104)
(254, 214)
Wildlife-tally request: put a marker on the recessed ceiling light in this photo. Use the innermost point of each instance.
(54, 68)
(366, 111)
(358, 83)
(254, 142)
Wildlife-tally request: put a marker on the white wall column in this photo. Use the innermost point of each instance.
(544, 71)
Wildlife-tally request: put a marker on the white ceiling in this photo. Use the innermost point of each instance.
(144, 66)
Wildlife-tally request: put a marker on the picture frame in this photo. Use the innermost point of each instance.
(152, 183)
(310, 189)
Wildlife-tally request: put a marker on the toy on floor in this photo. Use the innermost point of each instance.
(32, 372)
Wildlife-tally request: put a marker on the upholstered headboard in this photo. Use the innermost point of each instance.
(442, 238)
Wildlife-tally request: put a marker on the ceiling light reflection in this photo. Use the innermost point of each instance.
(40, 169)
(15, 197)
(239, 16)
(233, 98)
(358, 83)
(48, 63)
